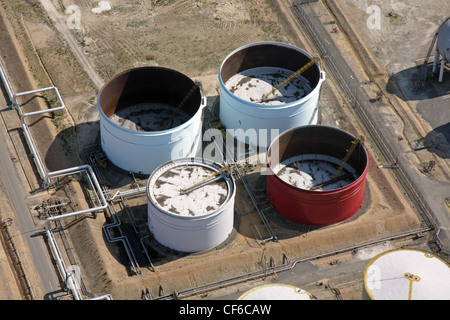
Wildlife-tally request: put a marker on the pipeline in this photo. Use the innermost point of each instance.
(41, 167)
(289, 265)
(104, 297)
(229, 155)
(116, 220)
(129, 251)
(69, 278)
(6, 83)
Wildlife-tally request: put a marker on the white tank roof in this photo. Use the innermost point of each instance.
(167, 182)
(407, 274)
(308, 170)
(276, 292)
(191, 204)
(252, 84)
(443, 41)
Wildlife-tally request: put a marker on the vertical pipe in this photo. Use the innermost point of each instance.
(441, 72)
(6, 83)
(435, 62)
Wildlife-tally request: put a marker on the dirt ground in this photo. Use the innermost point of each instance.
(393, 53)
(142, 33)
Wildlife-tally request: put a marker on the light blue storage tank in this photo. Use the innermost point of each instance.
(251, 72)
(148, 116)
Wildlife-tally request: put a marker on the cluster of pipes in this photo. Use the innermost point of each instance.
(72, 282)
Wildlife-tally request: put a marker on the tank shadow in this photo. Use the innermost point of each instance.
(251, 226)
(71, 142)
(81, 145)
(403, 84)
(438, 141)
(148, 252)
(123, 230)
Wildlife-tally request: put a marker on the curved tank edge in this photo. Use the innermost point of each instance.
(313, 207)
(230, 183)
(238, 114)
(202, 106)
(204, 232)
(298, 292)
(150, 148)
(322, 76)
(443, 40)
(367, 292)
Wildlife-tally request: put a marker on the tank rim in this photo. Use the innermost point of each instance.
(361, 175)
(231, 185)
(272, 107)
(201, 106)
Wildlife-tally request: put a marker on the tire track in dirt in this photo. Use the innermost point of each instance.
(62, 28)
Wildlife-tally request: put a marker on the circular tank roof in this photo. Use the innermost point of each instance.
(308, 156)
(276, 292)
(443, 40)
(407, 274)
(190, 187)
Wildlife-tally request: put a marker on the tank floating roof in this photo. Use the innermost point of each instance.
(276, 292)
(311, 197)
(407, 274)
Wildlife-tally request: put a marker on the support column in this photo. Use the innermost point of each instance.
(441, 72)
(435, 62)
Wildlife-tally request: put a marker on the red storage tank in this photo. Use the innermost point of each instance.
(302, 163)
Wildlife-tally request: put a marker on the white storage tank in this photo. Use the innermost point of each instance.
(148, 116)
(442, 48)
(248, 77)
(407, 274)
(276, 292)
(191, 204)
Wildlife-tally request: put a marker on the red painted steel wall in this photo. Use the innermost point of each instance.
(316, 207)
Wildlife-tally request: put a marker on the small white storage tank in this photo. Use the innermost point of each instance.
(407, 274)
(276, 292)
(148, 116)
(250, 73)
(191, 204)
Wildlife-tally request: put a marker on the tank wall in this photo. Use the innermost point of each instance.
(316, 207)
(143, 151)
(191, 233)
(155, 84)
(236, 113)
(443, 41)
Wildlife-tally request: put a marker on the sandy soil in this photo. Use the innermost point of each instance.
(145, 33)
